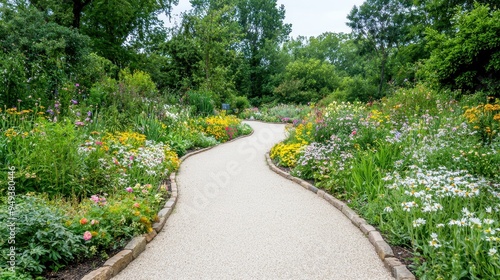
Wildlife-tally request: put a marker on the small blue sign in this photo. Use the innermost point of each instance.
(225, 106)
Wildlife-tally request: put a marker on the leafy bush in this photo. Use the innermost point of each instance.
(240, 103)
(201, 102)
(467, 58)
(42, 239)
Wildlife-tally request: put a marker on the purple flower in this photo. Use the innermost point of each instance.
(78, 114)
(89, 113)
(129, 189)
(50, 111)
(56, 105)
(94, 198)
(74, 101)
(77, 85)
(79, 123)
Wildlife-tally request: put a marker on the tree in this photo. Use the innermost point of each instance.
(37, 57)
(382, 26)
(307, 80)
(118, 28)
(469, 58)
(202, 49)
(439, 14)
(263, 31)
(218, 33)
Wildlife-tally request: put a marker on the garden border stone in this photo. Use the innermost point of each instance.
(137, 245)
(398, 270)
(119, 261)
(134, 248)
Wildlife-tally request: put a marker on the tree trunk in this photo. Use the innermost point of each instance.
(77, 11)
(382, 73)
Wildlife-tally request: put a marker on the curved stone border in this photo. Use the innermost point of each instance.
(384, 251)
(137, 245)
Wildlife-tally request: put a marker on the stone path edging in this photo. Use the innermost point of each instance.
(137, 245)
(384, 251)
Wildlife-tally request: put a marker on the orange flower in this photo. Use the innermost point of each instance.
(83, 221)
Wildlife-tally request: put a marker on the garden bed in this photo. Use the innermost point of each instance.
(422, 168)
(97, 184)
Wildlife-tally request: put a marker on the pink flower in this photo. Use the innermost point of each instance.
(99, 143)
(87, 236)
(94, 222)
(136, 205)
(94, 198)
(353, 132)
(102, 200)
(77, 85)
(129, 189)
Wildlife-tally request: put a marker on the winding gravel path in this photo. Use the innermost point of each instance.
(236, 219)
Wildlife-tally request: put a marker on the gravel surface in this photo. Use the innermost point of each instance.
(236, 219)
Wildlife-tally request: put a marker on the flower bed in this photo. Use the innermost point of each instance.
(425, 172)
(84, 187)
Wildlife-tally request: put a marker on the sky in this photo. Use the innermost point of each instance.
(308, 17)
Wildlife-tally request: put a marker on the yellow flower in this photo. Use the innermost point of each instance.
(286, 154)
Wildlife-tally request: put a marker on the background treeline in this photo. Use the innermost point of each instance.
(235, 51)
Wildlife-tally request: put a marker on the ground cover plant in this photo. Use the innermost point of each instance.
(85, 179)
(421, 166)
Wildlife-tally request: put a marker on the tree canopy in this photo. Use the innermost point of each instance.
(241, 48)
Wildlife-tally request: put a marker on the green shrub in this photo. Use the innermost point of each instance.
(240, 103)
(201, 103)
(41, 238)
(17, 275)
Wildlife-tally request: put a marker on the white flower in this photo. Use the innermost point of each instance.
(490, 231)
(434, 235)
(440, 225)
(492, 252)
(418, 222)
(388, 209)
(475, 221)
(488, 221)
(463, 222)
(434, 243)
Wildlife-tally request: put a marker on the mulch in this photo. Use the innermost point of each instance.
(78, 270)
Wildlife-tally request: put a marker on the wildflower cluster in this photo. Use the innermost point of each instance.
(485, 119)
(223, 128)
